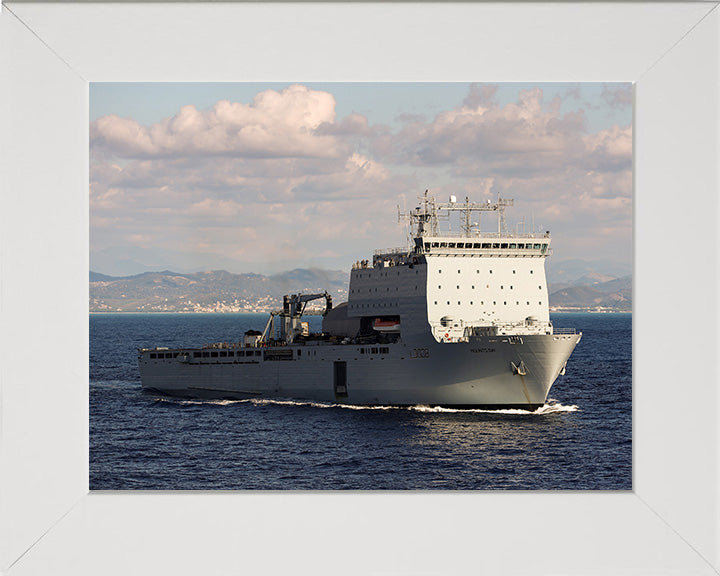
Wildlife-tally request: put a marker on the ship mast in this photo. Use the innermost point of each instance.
(423, 220)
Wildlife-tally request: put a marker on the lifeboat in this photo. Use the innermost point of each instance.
(386, 325)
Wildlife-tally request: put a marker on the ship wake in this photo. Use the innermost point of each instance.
(550, 407)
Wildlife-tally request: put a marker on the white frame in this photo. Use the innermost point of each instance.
(49, 523)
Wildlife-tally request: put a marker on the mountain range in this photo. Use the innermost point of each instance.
(213, 291)
(573, 285)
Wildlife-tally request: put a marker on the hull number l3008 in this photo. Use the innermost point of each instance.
(420, 353)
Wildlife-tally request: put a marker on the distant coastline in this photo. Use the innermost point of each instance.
(589, 311)
(319, 313)
(572, 286)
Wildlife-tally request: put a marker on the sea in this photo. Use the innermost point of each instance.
(580, 440)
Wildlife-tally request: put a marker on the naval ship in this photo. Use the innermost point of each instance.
(456, 318)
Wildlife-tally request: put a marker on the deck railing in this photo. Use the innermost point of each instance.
(382, 251)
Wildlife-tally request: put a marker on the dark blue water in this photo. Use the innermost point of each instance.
(582, 441)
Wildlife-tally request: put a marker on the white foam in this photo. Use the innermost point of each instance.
(550, 407)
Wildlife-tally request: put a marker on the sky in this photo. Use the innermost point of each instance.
(264, 178)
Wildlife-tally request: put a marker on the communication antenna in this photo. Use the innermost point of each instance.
(424, 219)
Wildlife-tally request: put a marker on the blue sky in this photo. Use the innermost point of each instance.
(267, 177)
(151, 102)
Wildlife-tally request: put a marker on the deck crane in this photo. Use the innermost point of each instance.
(291, 314)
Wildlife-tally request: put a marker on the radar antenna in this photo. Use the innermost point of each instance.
(424, 219)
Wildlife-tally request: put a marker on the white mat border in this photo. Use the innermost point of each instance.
(50, 51)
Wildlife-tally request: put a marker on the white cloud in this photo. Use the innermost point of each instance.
(483, 138)
(617, 96)
(273, 125)
(282, 182)
(610, 149)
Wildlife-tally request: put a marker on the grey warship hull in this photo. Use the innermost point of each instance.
(454, 319)
(482, 373)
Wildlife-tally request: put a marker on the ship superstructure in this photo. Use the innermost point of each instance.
(456, 318)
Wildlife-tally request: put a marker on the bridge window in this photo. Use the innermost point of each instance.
(435, 244)
(461, 245)
(536, 246)
(223, 354)
(476, 245)
(451, 245)
(153, 356)
(496, 245)
(512, 246)
(486, 245)
(521, 246)
(504, 245)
